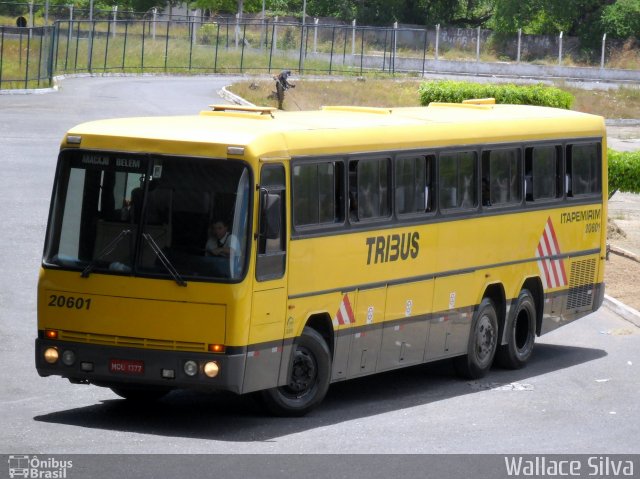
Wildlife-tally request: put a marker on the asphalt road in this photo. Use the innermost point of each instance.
(579, 394)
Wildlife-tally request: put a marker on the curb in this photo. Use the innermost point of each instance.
(233, 98)
(626, 312)
(624, 253)
(56, 80)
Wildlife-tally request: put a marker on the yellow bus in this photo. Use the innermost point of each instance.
(247, 249)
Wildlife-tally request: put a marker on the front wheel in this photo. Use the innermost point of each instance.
(309, 376)
(521, 333)
(483, 342)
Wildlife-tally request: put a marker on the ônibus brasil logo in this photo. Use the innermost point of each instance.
(35, 468)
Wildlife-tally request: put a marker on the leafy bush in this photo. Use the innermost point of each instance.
(624, 171)
(456, 91)
(207, 34)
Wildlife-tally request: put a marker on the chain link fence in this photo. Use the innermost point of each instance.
(116, 41)
(26, 57)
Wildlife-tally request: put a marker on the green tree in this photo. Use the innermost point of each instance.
(231, 6)
(622, 19)
(547, 16)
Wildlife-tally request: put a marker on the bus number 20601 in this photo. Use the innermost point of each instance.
(69, 302)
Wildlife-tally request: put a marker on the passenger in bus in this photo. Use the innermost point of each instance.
(220, 241)
(486, 192)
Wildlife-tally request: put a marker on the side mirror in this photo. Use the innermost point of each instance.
(270, 218)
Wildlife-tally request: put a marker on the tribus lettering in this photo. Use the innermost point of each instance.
(382, 249)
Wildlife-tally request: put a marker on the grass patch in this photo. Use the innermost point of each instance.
(621, 103)
(312, 94)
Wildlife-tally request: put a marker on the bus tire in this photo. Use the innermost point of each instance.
(140, 394)
(520, 332)
(483, 342)
(309, 377)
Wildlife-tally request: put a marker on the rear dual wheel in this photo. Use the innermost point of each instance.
(520, 332)
(483, 342)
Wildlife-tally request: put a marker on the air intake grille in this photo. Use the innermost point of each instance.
(581, 284)
(130, 342)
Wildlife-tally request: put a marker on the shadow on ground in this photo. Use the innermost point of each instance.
(227, 417)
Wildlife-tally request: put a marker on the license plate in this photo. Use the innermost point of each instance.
(126, 366)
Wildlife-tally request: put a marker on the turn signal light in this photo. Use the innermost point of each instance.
(51, 334)
(216, 348)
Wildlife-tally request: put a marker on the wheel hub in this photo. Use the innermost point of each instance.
(485, 339)
(303, 371)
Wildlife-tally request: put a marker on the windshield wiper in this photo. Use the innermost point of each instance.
(105, 251)
(164, 260)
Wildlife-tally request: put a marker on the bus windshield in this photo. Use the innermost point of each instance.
(150, 216)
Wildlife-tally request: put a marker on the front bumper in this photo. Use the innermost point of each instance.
(229, 378)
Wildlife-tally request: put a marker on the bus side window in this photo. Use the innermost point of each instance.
(369, 189)
(318, 193)
(414, 184)
(583, 169)
(543, 173)
(501, 177)
(458, 180)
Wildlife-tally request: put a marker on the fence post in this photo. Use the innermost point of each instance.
(333, 39)
(437, 41)
(304, 13)
(124, 44)
(91, 35)
(1, 52)
(560, 50)
(274, 36)
(384, 53)
(273, 42)
(395, 47)
(30, 16)
(519, 45)
(424, 51)
(192, 29)
(154, 10)
(26, 71)
(353, 38)
(46, 12)
(302, 51)
(604, 39)
(40, 56)
(237, 29)
(90, 43)
(244, 36)
(166, 46)
(215, 62)
(361, 50)
(53, 51)
(115, 19)
(70, 27)
(193, 34)
(315, 35)
(263, 24)
(478, 46)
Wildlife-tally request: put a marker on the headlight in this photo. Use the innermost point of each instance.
(191, 368)
(68, 358)
(51, 355)
(211, 369)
